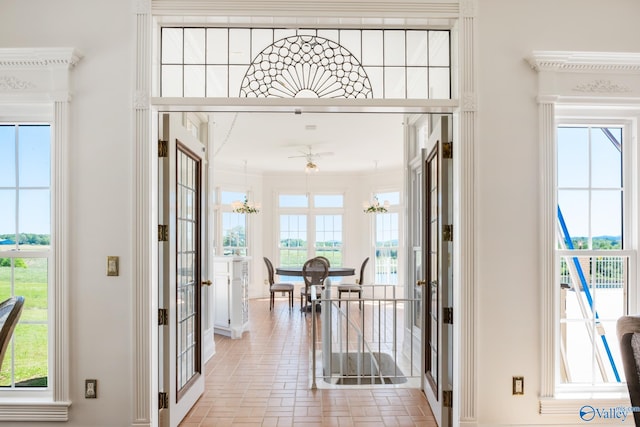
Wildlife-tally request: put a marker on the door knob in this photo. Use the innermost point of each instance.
(206, 283)
(421, 282)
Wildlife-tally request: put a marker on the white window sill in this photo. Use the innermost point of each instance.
(33, 410)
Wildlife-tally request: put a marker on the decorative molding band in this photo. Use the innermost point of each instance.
(143, 7)
(141, 100)
(58, 411)
(8, 83)
(38, 58)
(602, 86)
(382, 8)
(468, 102)
(467, 8)
(619, 62)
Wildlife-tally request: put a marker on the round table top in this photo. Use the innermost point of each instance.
(333, 271)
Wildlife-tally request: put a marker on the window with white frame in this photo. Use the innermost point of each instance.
(30, 200)
(387, 239)
(25, 249)
(588, 127)
(233, 225)
(310, 227)
(595, 260)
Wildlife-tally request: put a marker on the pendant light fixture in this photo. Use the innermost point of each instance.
(245, 207)
(375, 206)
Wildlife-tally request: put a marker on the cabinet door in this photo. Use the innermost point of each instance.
(221, 283)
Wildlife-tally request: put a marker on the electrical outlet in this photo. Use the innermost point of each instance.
(518, 385)
(90, 389)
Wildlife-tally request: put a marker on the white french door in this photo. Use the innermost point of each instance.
(437, 292)
(180, 252)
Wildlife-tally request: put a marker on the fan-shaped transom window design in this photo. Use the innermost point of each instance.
(322, 63)
(306, 67)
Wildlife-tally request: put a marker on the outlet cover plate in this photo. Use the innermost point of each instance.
(90, 389)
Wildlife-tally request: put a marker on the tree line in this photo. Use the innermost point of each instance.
(26, 239)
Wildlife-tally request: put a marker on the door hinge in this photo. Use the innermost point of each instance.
(163, 148)
(163, 400)
(163, 317)
(447, 232)
(163, 233)
(447, 398)
(447, 150)
(447, 315)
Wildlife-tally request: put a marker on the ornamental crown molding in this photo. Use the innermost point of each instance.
(602, 86)
(11, 83)
(617, 62)
(382, 8)
(39, 58)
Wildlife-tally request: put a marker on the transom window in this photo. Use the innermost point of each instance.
(594, 262)
(25, 248)
(309, 63)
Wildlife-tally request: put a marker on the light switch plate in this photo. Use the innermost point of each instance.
(518, 385)
(113, 265)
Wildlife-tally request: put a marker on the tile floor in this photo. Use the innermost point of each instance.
(263, 380)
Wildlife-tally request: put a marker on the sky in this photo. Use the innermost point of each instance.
(25, 176)
(588, 159)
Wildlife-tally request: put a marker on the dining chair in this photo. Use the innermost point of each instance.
(325, 259)
(628, 331)
(10, 310)
(277, 287)
(353, 287)
(314, 272)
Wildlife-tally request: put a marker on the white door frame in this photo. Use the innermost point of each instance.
(144, 305)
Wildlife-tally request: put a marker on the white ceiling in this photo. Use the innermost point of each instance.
(267, 140)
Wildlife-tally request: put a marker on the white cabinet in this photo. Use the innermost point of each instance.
(231, 295)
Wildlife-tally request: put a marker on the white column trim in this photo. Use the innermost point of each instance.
(144, 336)
(465, 276)
(546, 112)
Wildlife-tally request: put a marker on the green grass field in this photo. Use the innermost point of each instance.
(30, 336)
(293, 257)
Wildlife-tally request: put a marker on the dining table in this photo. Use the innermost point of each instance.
(333, 271)
(297, 272)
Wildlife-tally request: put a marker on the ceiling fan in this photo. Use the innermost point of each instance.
(311, 158)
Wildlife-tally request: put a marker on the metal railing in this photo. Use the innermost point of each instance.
(364, 341)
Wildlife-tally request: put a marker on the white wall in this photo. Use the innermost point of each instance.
(508, 183)
(100, 163)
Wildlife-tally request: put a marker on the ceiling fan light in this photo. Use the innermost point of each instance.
(311, 167)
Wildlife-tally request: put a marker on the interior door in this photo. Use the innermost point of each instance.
(180, 276)
(437, 257)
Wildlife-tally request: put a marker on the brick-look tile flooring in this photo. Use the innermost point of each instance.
(263, 380)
